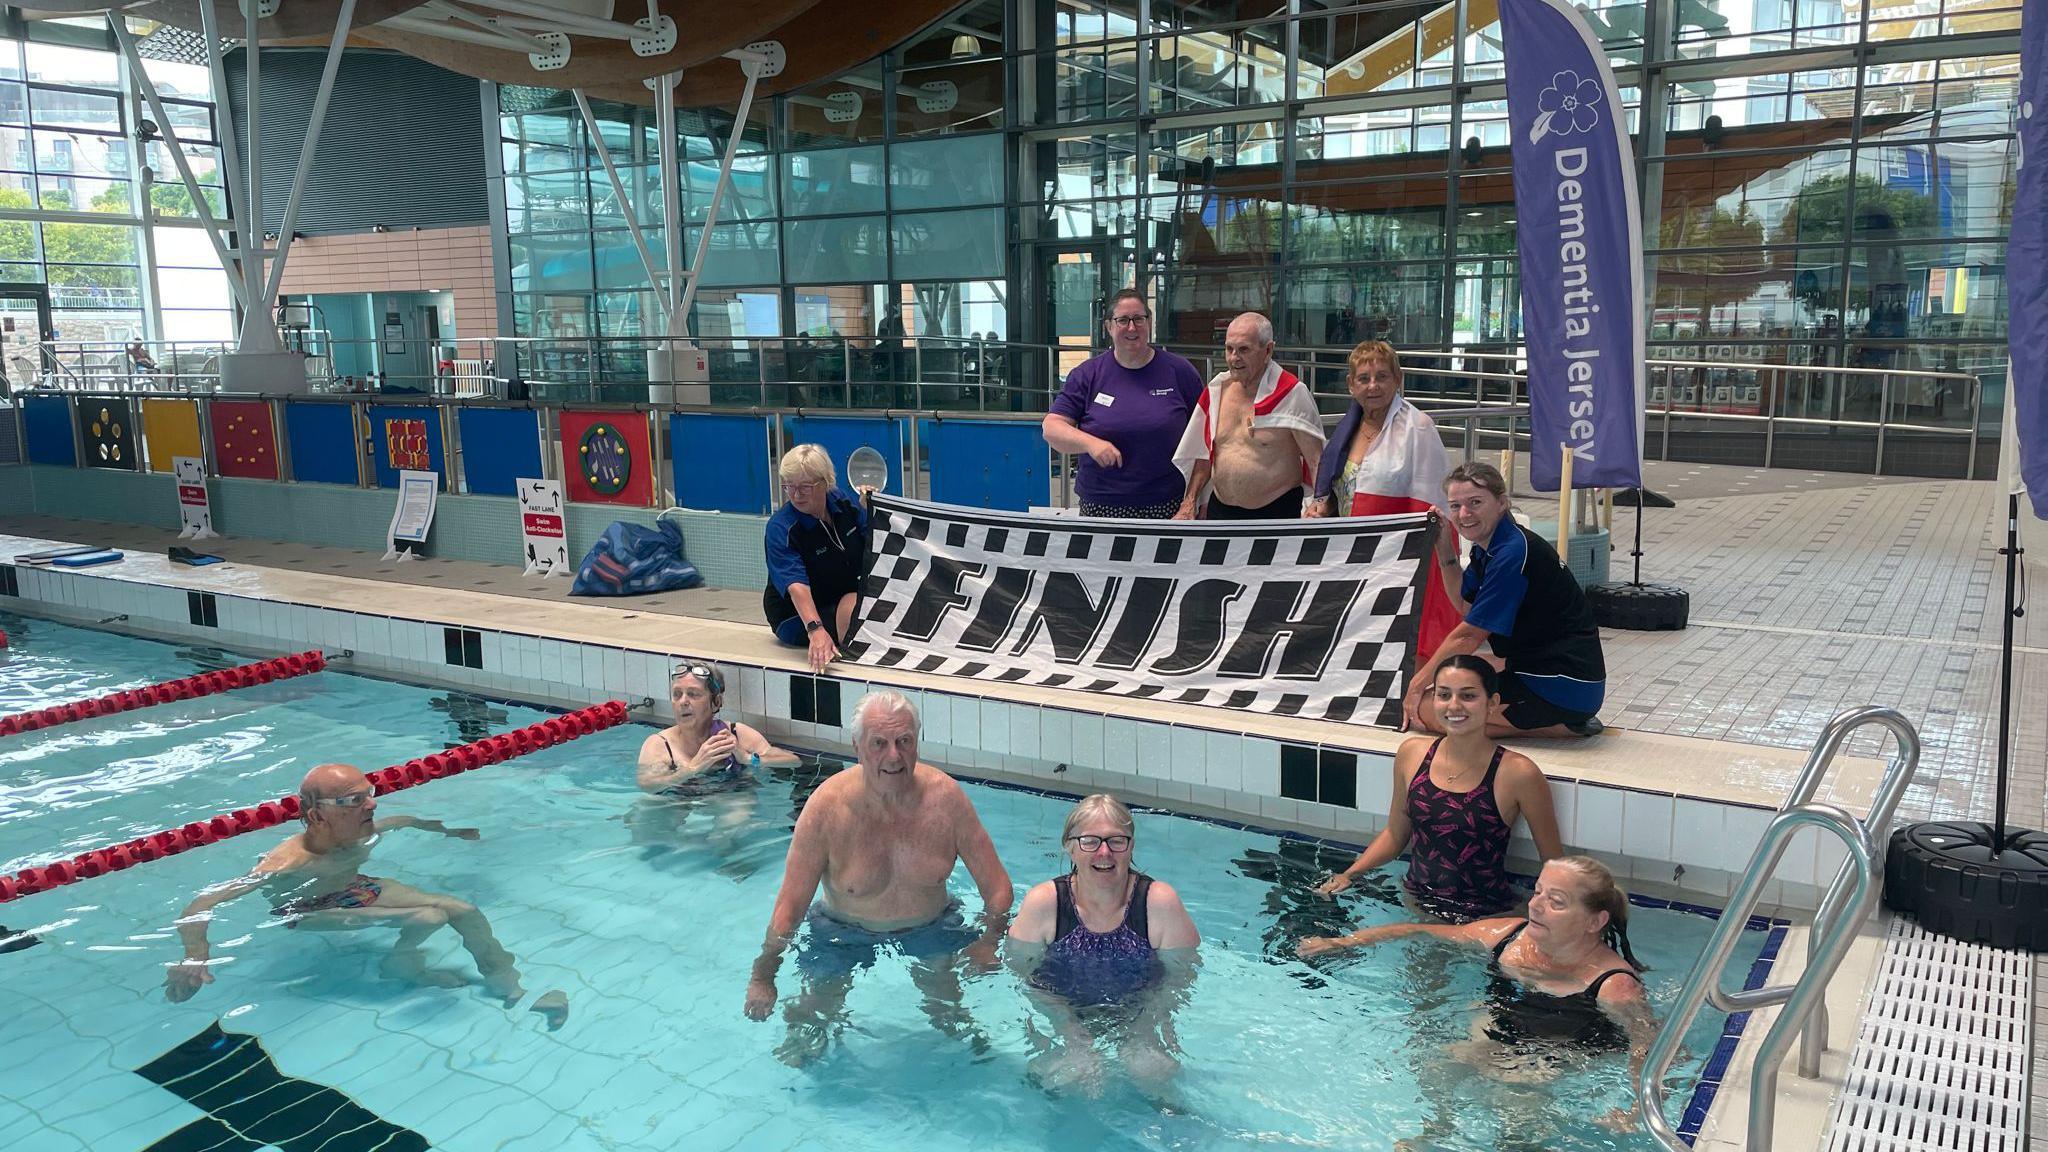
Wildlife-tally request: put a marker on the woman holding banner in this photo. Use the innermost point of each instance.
(1519, 596)
(817, 544)
(1386, 458)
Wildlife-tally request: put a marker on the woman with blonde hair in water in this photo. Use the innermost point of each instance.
(1562, 981)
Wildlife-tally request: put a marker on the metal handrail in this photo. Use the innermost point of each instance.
(1830, 946)
(1891, 789)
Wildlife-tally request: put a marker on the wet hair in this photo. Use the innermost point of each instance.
(1482, 475)
(1368, 351)
(1489, 677)
(885, 700)
(1602, 894)
(1122, 295)
(807, 462)
(1097, 806)
(1101, 804)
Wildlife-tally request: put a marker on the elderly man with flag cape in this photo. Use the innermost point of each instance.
(1255, 434)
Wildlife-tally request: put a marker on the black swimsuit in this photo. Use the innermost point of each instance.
(1525, 1017)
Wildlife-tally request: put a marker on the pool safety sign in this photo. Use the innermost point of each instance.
(414, 516)
(195, 512)
(542, 529)
(1312, 618)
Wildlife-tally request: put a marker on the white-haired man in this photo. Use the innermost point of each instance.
(1255, 436)
(880, 839)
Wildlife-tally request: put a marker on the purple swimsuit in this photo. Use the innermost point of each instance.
(1458, 856)
(1088, 968)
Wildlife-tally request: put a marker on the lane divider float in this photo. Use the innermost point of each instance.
(188, 688)
(171, 841)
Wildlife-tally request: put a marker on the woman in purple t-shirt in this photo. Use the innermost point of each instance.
(1122, 413)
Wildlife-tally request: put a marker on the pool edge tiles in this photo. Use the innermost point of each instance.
(1164, 754)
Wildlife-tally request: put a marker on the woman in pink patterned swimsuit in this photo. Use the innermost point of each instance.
(1456, 800)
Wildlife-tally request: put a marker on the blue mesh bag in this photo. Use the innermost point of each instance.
(630, 559)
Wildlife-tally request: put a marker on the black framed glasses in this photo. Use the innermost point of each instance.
(1117, 844)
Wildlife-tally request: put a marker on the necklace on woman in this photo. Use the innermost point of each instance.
(831, 531)
(1459, 775)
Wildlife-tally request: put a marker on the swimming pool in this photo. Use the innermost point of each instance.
(649, 931)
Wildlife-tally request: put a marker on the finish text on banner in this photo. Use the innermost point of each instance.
(1315, 618)
(1581, 244)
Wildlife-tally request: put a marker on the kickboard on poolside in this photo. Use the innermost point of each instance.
(87, 560)
(52, 554)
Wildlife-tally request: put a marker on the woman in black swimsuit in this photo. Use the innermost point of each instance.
(700, 761)
(1562, 981)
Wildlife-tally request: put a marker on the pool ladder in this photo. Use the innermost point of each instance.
(1851, 897)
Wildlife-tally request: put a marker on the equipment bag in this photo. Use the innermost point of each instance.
(629, 559)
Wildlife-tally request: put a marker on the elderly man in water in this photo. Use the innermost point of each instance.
(315, 880)
(880, 838)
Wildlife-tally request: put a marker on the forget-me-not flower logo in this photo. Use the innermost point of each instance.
(1567, 106)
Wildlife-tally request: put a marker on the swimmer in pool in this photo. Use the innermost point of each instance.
(880, 838)
(1456, 800)
(701, 754)
(1107, 949)
(1562, 982)
(700, 762)
(315, 880)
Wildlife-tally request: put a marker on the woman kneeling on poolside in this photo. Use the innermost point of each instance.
(1456, 800)
(1518, 596)
(817, 544)
(1104, 935)
(1562, 981)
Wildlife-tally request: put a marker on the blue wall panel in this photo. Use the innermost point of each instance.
(839, 436)
(47, 421)
(380, 450)
(985, 464)
(720, 462)
(323, 442)
(500, 447)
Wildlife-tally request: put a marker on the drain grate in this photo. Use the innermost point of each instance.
(1941, 1057)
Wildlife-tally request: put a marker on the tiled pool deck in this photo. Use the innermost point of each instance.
(1812, 595)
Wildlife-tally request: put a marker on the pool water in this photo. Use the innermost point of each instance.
(648, 926)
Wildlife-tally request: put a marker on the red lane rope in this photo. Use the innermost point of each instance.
(189, 688)
(171, 841)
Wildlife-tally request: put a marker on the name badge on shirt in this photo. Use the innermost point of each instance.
(1104, 399)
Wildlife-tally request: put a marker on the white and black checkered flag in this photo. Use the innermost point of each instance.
(1311, 618)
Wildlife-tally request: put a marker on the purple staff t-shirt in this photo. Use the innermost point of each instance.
(1143, 412)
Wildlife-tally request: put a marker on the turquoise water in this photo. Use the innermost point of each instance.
(649, 928)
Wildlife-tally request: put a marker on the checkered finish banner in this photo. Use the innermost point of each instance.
(1312, 618)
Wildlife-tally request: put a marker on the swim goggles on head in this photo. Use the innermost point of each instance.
(705, 672)
(352, 800)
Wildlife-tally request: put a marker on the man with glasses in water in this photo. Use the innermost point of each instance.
(881, 839)
(315, 880)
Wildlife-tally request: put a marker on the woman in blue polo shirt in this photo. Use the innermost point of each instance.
(817, 543)
(1519, 596)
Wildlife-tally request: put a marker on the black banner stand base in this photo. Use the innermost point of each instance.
(1980, 883)
(1947, 876)
(1639, 607)
(1642, 498)
(1635, 606)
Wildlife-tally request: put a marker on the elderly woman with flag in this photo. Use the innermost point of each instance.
(1386, 458)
